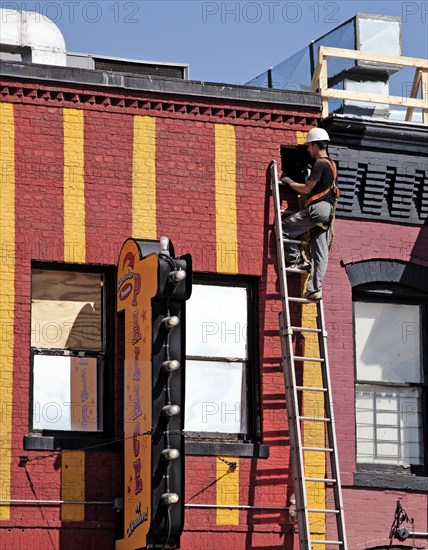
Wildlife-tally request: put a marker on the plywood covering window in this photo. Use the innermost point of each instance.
(68, 345)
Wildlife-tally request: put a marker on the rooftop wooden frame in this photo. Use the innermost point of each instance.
(320, 81)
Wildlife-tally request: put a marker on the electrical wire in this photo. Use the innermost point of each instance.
(167, 357)
(169, 529)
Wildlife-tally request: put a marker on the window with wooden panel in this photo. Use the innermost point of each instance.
(68, 349)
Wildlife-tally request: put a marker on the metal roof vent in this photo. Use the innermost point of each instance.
(363, 32)
(30, 37)
(373, 33)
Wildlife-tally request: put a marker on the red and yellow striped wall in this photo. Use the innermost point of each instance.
(7, 295)
(75, 185)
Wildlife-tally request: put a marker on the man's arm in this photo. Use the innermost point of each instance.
(304, 188)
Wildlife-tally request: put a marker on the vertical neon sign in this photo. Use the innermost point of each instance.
(137, 285)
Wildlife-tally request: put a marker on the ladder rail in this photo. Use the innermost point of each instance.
(288, 364)
(294, 427)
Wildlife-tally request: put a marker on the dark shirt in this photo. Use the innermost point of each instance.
(323, 175)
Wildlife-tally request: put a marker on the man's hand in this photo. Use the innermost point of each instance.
(286, 180)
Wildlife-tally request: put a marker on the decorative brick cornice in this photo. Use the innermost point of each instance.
(160, 104)
(380, 185)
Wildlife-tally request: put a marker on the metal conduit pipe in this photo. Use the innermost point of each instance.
(54, 502)
(236, 507)
(225, 506)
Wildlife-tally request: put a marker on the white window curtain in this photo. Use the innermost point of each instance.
(216, 382)
(388, 371)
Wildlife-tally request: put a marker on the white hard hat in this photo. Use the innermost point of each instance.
(317, 134)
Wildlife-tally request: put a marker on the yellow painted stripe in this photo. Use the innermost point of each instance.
(7, 295)
(144, 178)
(301, 137)
(314, 432)
(225, 198)
(227, 490)
(73, 485)
(73, 463)
(74, 187)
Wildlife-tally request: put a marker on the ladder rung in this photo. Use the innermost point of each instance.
(314, 419)
(294, 241)
(338, 542)
(318, 449)
(302, 300)
(320, 479)
(322, 511)
(315, 359)
(308, 388)
(294, 270)
(306, 329)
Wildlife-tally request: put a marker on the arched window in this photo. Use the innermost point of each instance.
(390, 305)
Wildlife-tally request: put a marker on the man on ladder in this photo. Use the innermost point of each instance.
(317, 216)
(320, 184)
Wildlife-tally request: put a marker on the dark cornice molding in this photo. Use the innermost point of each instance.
(388, 271)
(378, 134)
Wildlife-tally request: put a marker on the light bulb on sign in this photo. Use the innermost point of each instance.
(171, 322)
(177, 276)
(171, 366)
(164, 245)
(169, 498)
(171, 410)
(170, 454)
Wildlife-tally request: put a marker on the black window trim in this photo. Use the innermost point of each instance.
(60, 439)
(398, 282)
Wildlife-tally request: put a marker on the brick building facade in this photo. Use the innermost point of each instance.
(88, 160)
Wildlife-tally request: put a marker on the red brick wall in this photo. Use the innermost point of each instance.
(39, 222)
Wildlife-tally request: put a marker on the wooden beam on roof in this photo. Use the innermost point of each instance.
(414, 93)
(335, 93)
(375, 57)
(320, 81)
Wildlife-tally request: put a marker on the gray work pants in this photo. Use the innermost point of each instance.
(295, 225)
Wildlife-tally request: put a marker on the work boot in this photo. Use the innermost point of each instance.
(300, 264)
(314, 295)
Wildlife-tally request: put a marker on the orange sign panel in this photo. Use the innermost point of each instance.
(137, 284)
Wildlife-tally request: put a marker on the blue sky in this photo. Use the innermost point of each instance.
(223, 41)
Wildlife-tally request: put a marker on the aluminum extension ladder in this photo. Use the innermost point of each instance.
(295, 420)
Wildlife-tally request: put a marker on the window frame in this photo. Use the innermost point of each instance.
(218, 442)
(47, 439)
(394, 293)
